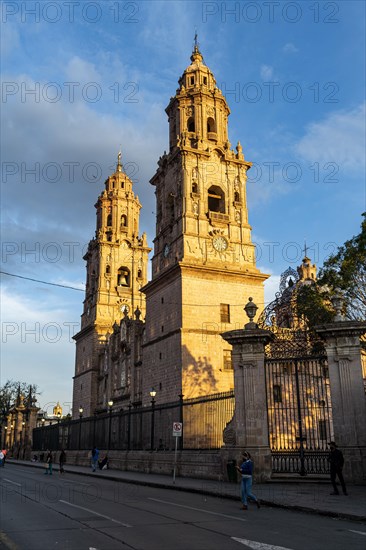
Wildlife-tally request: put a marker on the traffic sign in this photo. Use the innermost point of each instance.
(177, 429)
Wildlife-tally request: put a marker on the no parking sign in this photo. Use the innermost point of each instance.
(177, 429)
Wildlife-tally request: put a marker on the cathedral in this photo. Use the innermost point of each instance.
(165, 333)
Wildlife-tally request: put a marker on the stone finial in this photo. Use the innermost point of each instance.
(119, 164)
(251, 309)
(338, 302)
(137, 313)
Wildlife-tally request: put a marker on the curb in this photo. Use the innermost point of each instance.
(208, 492)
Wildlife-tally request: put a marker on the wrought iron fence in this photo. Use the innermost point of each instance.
(144, 428)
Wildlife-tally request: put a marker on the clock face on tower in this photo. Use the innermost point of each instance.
(125, 308)
(220, 243)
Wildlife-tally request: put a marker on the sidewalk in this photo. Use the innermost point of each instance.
(310, 497)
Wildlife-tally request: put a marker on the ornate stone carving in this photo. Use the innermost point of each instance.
(229, 436)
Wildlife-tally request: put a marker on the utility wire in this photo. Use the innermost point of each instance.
(83, 290)
(43, 282)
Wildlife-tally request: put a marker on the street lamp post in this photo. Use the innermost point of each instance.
(110, 405)
(43, 421)
(58, 428)
(23, 439)
(81, 410)
(181, 420)
(94, 427)
(152, 394)
(129, 426)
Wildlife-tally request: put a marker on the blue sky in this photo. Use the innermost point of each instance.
(103, 73)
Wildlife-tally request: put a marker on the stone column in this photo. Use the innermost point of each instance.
(248, 428)
(342, 342)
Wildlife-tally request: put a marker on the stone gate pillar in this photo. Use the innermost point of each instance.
(248, 428)
(342, 343)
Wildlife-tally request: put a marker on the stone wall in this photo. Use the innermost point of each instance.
(196, 464)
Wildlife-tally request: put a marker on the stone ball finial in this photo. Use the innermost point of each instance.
(137, 313)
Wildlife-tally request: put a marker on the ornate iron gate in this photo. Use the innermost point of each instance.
(299, 406)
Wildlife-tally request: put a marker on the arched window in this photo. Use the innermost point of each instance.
(236, 196)
(123, 276)
(109, 220)
(194, 187)
(190, 124)
(211, 125)
(108, 269)
(123, 220)
(216, 199)
(139, 273)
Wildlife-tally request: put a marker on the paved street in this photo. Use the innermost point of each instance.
(79, 512)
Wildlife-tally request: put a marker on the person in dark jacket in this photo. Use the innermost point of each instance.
(94, 458)
(49, 461)
(246, 470)
(103, 463)
(62, 461)
(336, 461)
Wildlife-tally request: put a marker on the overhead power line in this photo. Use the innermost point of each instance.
(83, 290)
(39, 281)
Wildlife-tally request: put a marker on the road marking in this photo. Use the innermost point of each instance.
(78, 483)
(197, 509)
(96, 513)
(259, 545)
(13, 482)
(358, 532)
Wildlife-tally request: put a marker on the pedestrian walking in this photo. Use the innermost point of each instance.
(62, 460)
(49, 461)
(1, 458)
(246, 470)
(336, 461)
(94, 458)
(4, 451)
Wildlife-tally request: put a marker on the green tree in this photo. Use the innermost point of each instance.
(10, 392)
(346, 269)
(313, 304)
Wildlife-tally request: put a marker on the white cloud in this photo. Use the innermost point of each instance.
(289, 48)
(266, 72)
(339, 138)
(79, 70)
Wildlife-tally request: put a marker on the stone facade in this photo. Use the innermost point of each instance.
(203, 266)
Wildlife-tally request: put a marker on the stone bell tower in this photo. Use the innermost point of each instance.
(117, 260)
(204, 262)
